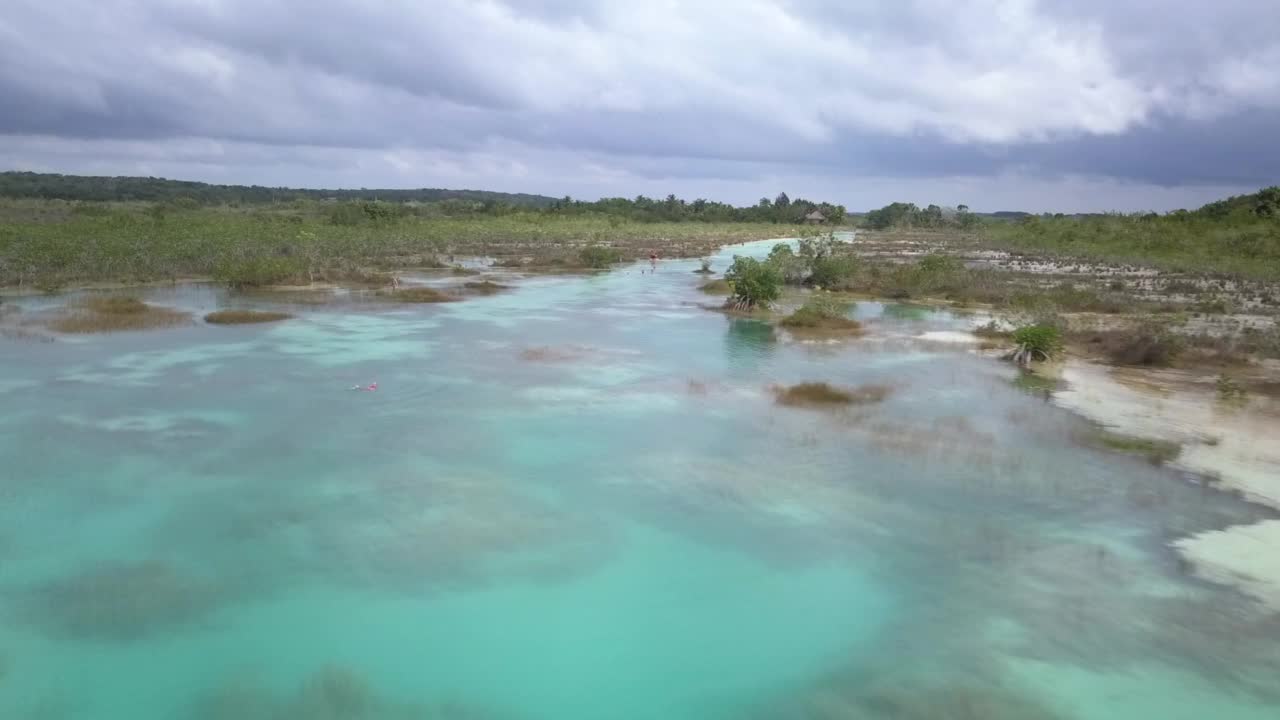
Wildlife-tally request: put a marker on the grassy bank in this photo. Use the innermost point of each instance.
(51, 244)
(1245, 245)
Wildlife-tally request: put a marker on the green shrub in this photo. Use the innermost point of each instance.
(1157, 452)
(790, 266)
(1036, 342)
(755, 283)
(598, 256)
(833, 271)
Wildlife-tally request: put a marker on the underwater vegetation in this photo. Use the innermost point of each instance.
(119, 602)
(818, 394)
(485, 287)
(1157, 452)
(559, 353)
(244, 317)
(116, 314)
(332, 693)
(909, 702)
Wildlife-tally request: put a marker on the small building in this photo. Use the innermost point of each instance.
(815, 218)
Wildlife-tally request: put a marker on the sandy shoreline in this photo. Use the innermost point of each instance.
(1235, 443)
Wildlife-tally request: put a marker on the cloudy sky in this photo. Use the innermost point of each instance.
(1000, 104)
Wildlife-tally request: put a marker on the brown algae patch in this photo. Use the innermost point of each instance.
(334, 692)
(557, 354)
(116, 314)
(244, 317)
(821, 394)
(416, 295)
(122, 601)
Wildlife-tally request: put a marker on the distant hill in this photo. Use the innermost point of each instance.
(152, 189)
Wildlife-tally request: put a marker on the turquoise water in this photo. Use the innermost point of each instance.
(579, 500)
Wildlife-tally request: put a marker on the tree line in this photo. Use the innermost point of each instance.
(781, 209)
(52, 186)
(350, 206)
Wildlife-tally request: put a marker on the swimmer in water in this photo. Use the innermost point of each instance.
(371, 387)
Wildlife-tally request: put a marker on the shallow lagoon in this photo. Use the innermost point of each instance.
(579, 500)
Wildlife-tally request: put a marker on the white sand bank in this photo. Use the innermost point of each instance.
(1236, 443)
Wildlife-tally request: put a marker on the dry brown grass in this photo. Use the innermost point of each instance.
(820, 394)
(1144, 346)
(416, 295)
(117, 314)
(244, 317)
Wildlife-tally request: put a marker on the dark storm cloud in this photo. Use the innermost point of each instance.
(727, 91)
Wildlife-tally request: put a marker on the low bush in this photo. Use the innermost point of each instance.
(1036, 342)
(598, 256)
(755, 284)
(822, 312)
(834, 272)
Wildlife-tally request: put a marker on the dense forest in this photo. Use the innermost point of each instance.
(429, 201)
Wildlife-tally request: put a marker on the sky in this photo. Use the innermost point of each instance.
(1049, 105)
